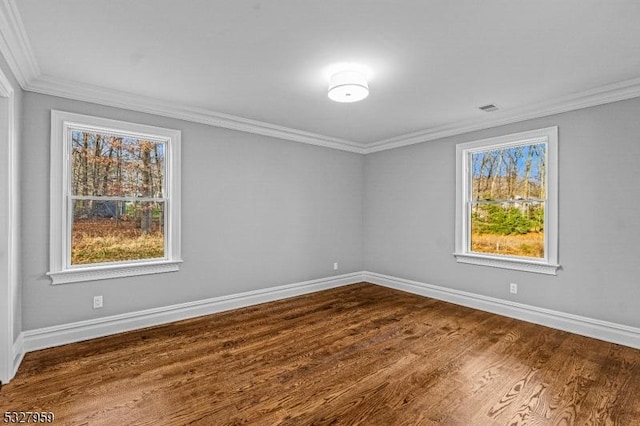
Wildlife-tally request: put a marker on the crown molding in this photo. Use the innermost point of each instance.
(89, 93)
(100, 95)
(602, 95)
(16, 49)
(85, 92)
(15, 45)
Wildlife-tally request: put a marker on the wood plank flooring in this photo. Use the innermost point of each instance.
(356, 355)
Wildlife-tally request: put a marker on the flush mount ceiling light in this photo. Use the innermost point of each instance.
(348, 86)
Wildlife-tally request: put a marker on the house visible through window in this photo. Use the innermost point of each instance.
(507, 201)
(508, 191)
(117, 195)
(115, 204)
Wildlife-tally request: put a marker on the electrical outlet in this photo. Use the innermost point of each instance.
(335, 266)
(97, 302)
(513, 288)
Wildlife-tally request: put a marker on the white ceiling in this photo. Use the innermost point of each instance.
(433, 63)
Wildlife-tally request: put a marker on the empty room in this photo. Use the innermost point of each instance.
(320, 212)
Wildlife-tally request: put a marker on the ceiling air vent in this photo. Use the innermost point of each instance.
(488, 108)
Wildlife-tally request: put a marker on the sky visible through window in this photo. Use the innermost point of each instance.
(508, 188)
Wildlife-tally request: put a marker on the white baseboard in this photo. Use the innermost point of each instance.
(18, 354)
(598, 329)
(47, 337)
(8, 371)
(83, 330)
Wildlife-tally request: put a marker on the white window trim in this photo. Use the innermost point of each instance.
(549, 265)
(9, 221)
(61, 270)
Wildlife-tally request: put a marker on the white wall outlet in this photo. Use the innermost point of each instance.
(335, 266)
(97, 302)
(513, 288)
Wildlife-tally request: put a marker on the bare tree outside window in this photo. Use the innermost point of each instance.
(117, 197)
(508, 200)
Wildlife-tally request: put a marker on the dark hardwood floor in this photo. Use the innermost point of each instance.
(360, 354)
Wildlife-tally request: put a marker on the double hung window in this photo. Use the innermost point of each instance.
(506, 211)
(115, 206)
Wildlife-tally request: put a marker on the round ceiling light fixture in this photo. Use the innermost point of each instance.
(348, 86)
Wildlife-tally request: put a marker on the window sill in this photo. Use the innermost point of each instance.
(507, 263)
(113, 271)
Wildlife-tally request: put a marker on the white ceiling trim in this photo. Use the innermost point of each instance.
(103, 96)
(16, 49)
(99, 95)
(599, 96)
(15, 45)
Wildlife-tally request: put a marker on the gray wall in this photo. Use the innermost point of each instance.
(257, 212)
(260, 212)
(410, 208)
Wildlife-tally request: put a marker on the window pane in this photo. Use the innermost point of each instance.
(112, 231)
(512, 173)
(114, 165)
(508, 228)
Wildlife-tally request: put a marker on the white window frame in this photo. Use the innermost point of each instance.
(61, 271)
(549, 265)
